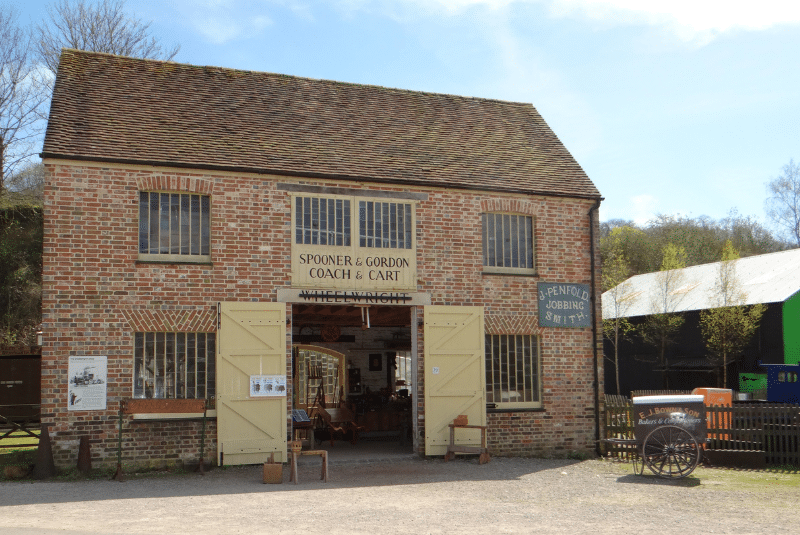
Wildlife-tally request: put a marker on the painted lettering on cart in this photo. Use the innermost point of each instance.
(672, 420)
(653, 411)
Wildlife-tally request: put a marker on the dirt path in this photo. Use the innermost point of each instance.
(504, 496)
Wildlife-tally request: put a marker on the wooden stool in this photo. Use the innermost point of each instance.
(321, 453)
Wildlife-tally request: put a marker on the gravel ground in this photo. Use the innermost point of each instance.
(420, 496)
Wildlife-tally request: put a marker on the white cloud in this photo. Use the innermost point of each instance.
(692, 21)
(643, 208)
(218, 23)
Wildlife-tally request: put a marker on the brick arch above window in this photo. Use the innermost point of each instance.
(508, 205)
(182, 183)
(511, 324)
(161, 320)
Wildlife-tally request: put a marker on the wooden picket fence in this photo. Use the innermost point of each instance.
(618, 424)
(770, 429)
(637, 393)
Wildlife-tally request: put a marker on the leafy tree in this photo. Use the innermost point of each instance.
(616, 284)
(702, 239)
(100, 27)
(20, 275)
(632, 242)
(22, 95)
(661, 328)
(728, 328)
(783, 203)
(748, 236)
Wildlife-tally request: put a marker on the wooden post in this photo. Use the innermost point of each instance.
(118, 474)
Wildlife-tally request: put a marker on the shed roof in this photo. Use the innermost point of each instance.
(767, 278)
(109, 108)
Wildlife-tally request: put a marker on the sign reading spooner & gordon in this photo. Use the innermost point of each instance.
(564, 305)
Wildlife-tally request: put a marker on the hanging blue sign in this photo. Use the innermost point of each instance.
(564, 305)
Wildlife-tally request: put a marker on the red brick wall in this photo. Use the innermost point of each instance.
(96, 294)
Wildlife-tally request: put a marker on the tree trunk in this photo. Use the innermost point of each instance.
(724, 370)
(616, 354)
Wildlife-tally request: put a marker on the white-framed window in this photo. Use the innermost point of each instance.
(384, 225)
(329, 221)
(508, 245)
(174, 365)
(322, 221)
(513, 379)
(174, 227)
(403, 372)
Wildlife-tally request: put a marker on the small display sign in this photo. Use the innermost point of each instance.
(267, 386)
(88, 377)
(564, 305)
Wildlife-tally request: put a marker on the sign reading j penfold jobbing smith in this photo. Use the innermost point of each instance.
(564, 305)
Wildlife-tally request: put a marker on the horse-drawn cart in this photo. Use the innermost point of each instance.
(669, 434)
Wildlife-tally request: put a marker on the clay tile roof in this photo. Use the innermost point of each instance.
(116, 109)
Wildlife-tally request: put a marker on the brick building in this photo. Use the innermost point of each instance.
(270, 243)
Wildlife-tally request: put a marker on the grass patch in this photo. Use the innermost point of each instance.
(721, 478)
(19, 440)
(18, 451)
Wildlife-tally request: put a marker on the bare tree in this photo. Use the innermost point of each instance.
(661, 327)
(618, 293)
(621, 296)
(98, 27)
(783, 203)
(22, 94)
(26, 186)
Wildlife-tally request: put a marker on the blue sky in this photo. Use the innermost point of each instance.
(672, 107)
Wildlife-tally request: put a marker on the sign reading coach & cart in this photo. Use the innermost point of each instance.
(564, 305)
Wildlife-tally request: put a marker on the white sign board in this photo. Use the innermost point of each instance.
(267, 385)
(88, 378)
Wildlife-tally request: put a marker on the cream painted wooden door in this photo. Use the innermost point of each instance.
(251, 342)
(454, 374)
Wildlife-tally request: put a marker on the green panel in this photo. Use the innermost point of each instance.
(791, 330)
(752, 382)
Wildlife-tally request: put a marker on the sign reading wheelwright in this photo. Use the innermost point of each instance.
(564, 305)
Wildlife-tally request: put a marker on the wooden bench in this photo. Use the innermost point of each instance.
(454, 448)
(161, 406)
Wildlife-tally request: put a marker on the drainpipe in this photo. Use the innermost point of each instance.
(592, 210)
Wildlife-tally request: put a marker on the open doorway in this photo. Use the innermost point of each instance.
(355, 362)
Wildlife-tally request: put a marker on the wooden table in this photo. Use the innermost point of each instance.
(453, 448)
